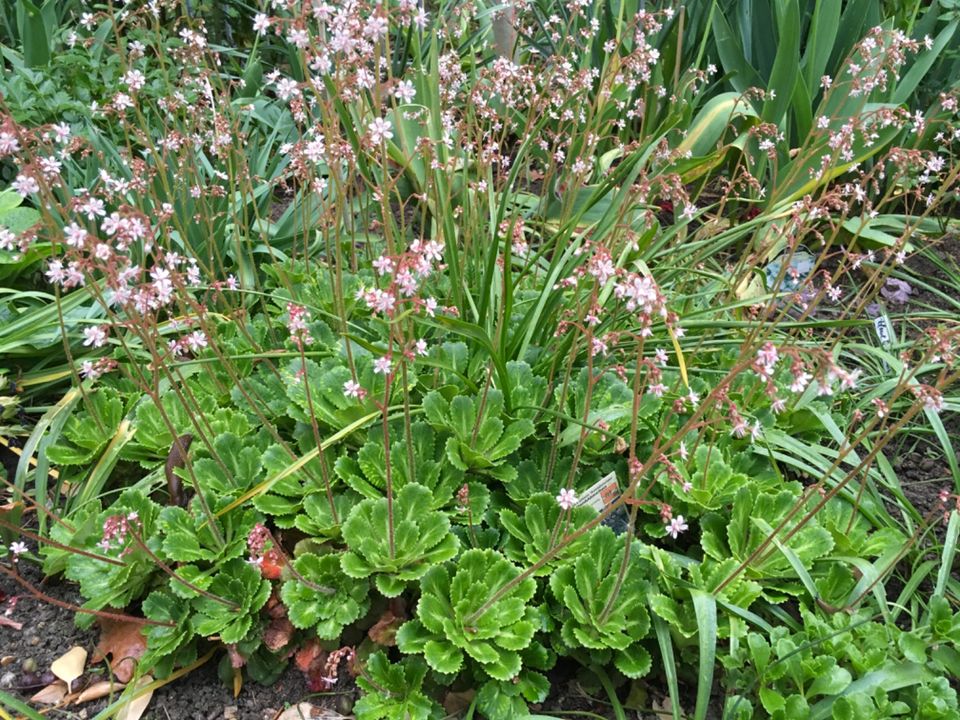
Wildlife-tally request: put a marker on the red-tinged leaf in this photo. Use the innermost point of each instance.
(311, 656)
(236, 659)
(384, 632)
(272, 565)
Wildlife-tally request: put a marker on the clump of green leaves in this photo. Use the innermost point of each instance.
(321, 597)
(481, 440)
(601, 603)
(457, 617)
(421, 539)
(394, 691)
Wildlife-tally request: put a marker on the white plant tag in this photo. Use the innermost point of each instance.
(881, 324)
(602, 494)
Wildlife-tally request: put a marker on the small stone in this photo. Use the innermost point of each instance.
(33, 640)
(344, 703)
(29, 665)
(82, 715)
(230, 712)
(6, 660)
(8, 679)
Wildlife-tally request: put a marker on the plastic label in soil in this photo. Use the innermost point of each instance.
(601, 495)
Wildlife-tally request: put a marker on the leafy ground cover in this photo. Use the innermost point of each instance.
(453, 354)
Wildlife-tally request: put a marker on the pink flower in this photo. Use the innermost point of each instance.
(353, 389)
(95, 335)
(676, 526)
(297, 325)
(261, 23)
(567, 498)
(380, 130)
(383, 265)
(382, 365)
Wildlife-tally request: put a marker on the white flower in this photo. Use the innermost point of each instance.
(380, 130)
(7, 239)
(95, 335)
(261, 23)
(382, 365)
(567, 498)
(134, 79)
(404, 91)
(25, 185)
(352, 389)
(75, 235)
(676, 526)
(18, 548)
(287, 88)
(383, 265)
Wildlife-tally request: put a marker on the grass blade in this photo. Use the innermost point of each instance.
(705, 607)
(669, 663)
(949, 551)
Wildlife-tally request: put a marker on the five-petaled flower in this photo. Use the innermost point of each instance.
(18, 548)
(379, 131)
(351, 388)
(567, 498)
(676, 526)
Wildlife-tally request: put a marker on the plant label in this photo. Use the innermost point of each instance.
(600, 496)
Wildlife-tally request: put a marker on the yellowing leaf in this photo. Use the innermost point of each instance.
(134, 709)
(97, 691)
(69, 666)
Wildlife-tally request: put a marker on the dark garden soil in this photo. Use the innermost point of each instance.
(920, 467)
(49, 631)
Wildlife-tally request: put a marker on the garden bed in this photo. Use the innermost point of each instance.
(419, 361)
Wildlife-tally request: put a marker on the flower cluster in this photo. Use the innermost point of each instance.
(116, 529)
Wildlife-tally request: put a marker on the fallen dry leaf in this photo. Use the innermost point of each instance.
(97, 691)
(306, 710)
(134, 709)
(51, 694)
(664, 709)
(124, 643)
(69, 666)
(278, 633)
